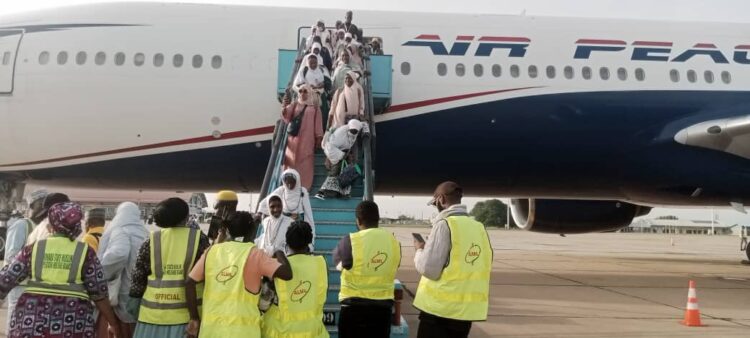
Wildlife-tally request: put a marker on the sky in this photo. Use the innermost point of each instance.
(679, 10)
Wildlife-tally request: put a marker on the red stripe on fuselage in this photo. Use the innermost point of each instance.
(428, 37)
(504, 39)
(202, 139)
(601, 42)
(705, 45)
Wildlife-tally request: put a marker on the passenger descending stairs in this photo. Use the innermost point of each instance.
(334, 218)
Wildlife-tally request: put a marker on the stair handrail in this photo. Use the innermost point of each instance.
(369, 142)
(272, 178)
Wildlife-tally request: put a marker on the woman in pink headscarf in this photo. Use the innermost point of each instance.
(300, 149)
(348, 102)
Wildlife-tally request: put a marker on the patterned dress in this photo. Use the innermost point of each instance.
(53, 316)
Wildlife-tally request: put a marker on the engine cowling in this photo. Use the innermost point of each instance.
(573, 216)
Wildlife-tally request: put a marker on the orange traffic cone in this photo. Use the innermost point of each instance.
(692, 313)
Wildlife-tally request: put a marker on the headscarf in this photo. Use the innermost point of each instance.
(348, 101)
(310, 100)
(127, 214)
(292, 198)
(65, 218)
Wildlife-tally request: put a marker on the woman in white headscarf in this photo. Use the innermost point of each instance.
(348, 102)
(343, 66)
(118, 250)
(294, 197)
(340, 145)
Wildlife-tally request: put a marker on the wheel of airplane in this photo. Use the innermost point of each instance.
(747, 251)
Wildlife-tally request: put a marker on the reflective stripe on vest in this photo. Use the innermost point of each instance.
(377, 256)
(462, 292)
(173, 252)
(300, 310)
(229, 309)
(57, 263)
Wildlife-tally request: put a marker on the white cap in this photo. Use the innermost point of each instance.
(36, 195)
(354, 124)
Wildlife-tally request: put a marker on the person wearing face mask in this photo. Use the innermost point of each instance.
(455, 263)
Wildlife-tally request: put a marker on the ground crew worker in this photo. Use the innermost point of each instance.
(369, 259)
(225, 206)
(163, 263)
(455, 265)
(17, 234)
(232, 271)
(65, 281)
(298, 306)
(94, 228)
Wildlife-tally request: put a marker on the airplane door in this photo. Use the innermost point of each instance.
(10, 39)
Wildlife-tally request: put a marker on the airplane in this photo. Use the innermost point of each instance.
(586, 123)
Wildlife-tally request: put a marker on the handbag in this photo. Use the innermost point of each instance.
(296, 123)
(349, 174)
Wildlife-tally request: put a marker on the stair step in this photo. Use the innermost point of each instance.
(336, 215)
(337, 203)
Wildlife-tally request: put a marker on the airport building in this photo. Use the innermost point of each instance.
(673, 225)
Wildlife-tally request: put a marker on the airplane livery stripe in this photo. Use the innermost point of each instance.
(202, 139)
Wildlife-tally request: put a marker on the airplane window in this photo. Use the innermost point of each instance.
(80, 58)
(405, 68)
(43, 58)
(586, 73)
(533, 72)
(496, 70)
(158, 59)
(177, 60)
(708, 76)
(640, 74)
(674, 75)
(100, 58)
(604, 73)
(478, 70)
(139, 59)
(692, 76)
(726, 77)
(568, 71)
(62, 58)
(216, 62)
(460, 69)
(515, 71)
(6, 58)
(197, 61)
(551, 73)
(622, 74)
(120, 58)
(442, 69)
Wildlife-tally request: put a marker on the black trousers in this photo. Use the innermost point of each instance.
(431, 326)
(364, 321)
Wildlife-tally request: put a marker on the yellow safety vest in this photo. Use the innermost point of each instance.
(173, 252)
(299, 313)
(229, 309)
(377, 255)
(56, 268)
(462, 292)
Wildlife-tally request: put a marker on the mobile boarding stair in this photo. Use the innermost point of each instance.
(334, 218)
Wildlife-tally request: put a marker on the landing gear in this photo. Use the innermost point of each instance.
(743, 242)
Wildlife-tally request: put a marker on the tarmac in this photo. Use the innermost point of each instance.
(604, 285)
(600, 285)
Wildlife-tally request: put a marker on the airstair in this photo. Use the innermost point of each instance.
(334, 218)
